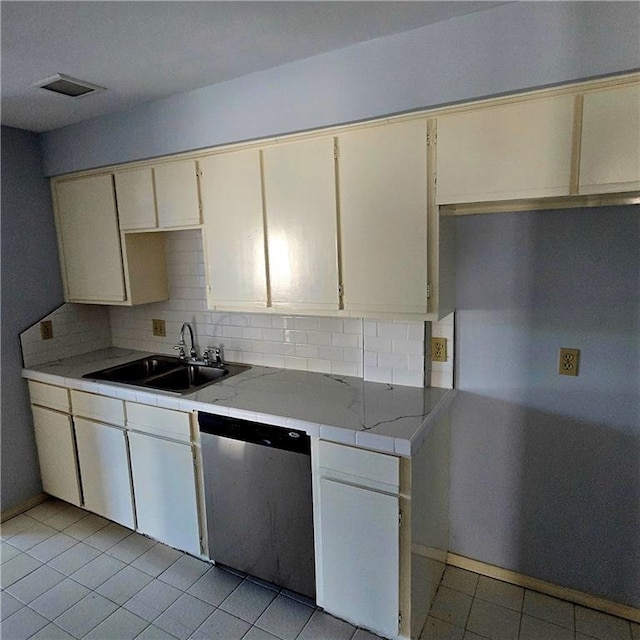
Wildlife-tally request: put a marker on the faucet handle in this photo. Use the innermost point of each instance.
(180, 349)
(213, 355)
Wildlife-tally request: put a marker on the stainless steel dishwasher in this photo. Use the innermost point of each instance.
(258, 500)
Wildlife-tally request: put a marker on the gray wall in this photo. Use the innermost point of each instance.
(505, 49)
(31, 288)
(545, 475)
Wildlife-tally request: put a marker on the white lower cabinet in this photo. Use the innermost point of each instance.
(57, 454)
(104, 468)
(358, 536)
(50, 406)
(360, 555)
(164, 485)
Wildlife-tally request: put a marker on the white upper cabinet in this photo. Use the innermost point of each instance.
(89, 240)
(177, 197)
(136, 199)
(383, 218)
(300, 198)
(233, 220)
(610, 150)
(507, 152)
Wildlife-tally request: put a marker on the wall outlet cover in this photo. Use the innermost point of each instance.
(46, 329)
(569, 362)
(159, 328)
(438, 349)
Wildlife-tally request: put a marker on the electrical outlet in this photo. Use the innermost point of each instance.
(438, 349)
(569, 361)
(159, 328)
(46, 329)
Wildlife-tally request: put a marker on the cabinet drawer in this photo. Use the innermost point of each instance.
(367, 468)
(158, 421)
(101, 408)
(46, 395)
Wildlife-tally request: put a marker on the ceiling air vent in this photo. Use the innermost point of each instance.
(68, 86)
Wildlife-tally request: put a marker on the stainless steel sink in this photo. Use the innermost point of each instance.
(138, 370)
(167, 373)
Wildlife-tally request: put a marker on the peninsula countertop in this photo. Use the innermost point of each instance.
(383, 417)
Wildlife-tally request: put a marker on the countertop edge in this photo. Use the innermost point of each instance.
(399, 446)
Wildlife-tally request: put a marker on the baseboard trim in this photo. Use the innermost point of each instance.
(548, 588)
(25, 506)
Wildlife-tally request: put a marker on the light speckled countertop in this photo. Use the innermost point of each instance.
(383, 417)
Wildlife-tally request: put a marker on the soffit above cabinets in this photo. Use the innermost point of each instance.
(144, 51)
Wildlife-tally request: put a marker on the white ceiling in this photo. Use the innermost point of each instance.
(142, 51)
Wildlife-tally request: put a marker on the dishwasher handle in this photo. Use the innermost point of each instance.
(255, 432)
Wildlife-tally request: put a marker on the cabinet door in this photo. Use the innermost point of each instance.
(90, 240)
(57, 454)
(610, 150)
(233, 219)
(165, 488)
(300, 194)
(360, 555)
(520, 150)
(104, 469)
(383, 217)
(177, 194)
(136, 199)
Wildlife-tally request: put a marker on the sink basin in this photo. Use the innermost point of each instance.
(166, 373)
(189, 377)
(138, 370)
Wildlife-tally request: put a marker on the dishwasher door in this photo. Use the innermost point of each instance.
(258, 500)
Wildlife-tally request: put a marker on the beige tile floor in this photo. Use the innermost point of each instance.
(472, 607)
(67, 574)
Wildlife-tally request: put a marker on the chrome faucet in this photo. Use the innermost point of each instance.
(180, 347)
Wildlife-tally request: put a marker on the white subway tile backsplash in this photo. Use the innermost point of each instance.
(252, 333)
(346, 369)
(370, 328)
(378, 374)
(348, 340)
(304, 323)
(261, 321)
(77, 329)
(392, 330)
(370, 359)
(415, 331)
(392, 361)
(306, 351)
(352, 355)
(318, 365)
(232, 332)
(415, 363)
(300, 364)
(323, 338)
(295, 336)
(387, 351)
(332, 325)
(408, 378)
(353, 325)
(373, 343)
(331, 353)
